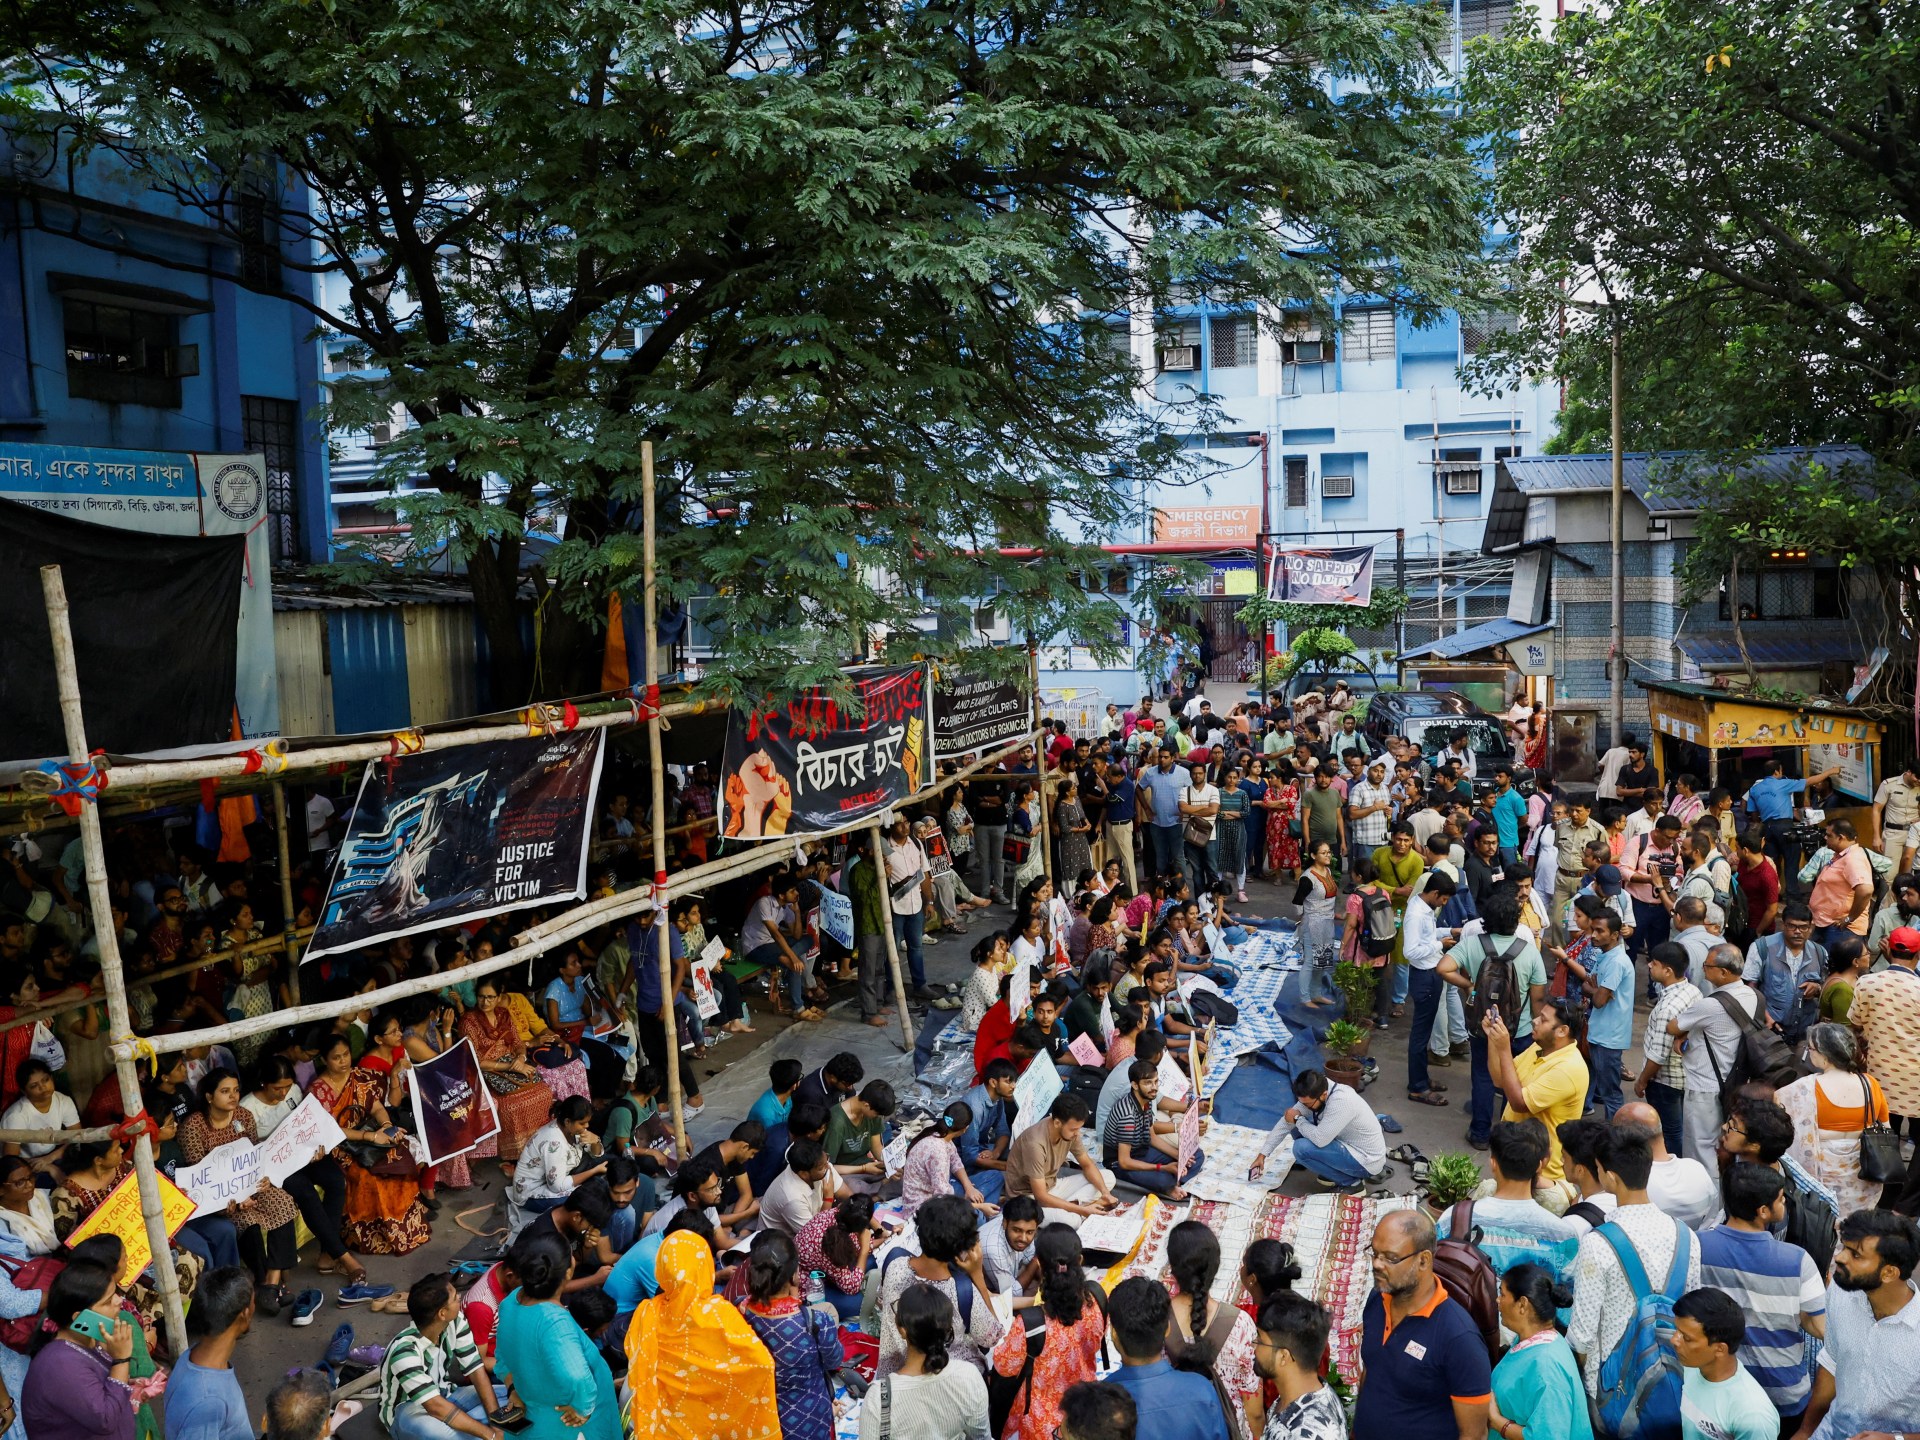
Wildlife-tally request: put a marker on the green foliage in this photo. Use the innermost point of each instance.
(1452, 1178)
(1343, 1039)
(1357, 984)
(872, 255)
(1735, 184)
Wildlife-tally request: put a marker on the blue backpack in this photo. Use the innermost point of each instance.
(1640, 1380)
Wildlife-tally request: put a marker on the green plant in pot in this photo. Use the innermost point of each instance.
(1358, 984)
(1342, 1045)
(1451, 1179)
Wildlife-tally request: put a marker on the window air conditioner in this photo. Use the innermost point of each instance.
(1336, 487)
(1180, 357)
(380, 434)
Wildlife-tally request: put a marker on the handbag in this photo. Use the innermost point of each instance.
(1197, 830)
(1880, 1158)
(388, 1160)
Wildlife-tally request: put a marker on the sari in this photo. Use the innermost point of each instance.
(695, 1368)
(524, 1103)
(383, 1213)
(563, 1080)
(1283, 808)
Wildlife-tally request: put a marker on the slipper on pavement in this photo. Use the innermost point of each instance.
(1390, 1125)
(1428, 1097)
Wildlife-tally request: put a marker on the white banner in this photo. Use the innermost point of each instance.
(228, 1174)
(294, 1140)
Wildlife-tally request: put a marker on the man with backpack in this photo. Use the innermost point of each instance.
(1427, 1373)
(1713, 1044)
(1629, 1272)
(1496, 970)
(1511, 1227)
(1788, 968)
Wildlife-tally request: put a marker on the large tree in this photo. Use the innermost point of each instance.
(868, 256)
(1737, 187)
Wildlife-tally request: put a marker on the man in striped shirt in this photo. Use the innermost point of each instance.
(419, 1399)
(1777, 1285)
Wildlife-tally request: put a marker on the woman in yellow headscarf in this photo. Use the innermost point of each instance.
(696, 1369)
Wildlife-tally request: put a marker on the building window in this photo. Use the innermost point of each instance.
(1477, 331)
(1112, 339)
(125, 356)
(1458, 472)
(1484, 17)
(273, 429)
(1368, 333)
(1787, 588)
(1179, 345)
(1232, 338)
(1294, 468)
(257, 220)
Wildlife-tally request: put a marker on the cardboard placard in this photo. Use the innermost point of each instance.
(119, 1215)
(1035, 1090)
(1189, 1139)
(294, 1140)
(229, 1173)
(1085, 1051)
(1173, 1080)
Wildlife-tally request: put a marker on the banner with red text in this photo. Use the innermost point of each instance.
(1323, 577)
(817, 764)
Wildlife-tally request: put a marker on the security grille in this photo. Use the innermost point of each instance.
(1368, 334)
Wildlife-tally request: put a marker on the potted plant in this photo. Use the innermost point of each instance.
(1357, 983)
(1341, 1047)
(1451, 1179)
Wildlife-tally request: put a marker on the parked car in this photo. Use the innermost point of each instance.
(1430, 719)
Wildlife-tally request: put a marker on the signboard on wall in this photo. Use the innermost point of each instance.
(170, 493)
(1853, 759)
(1532, 655)
(1228, 526)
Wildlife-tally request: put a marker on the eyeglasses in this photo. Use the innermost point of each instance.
(1382, 1258)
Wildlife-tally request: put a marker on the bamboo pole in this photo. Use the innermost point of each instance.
(215, 767)
(66, 672)
(1040, 762)
(536, 940)
(662, 941)
(892, 944)
(286, 890)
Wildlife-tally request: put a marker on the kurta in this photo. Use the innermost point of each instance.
(551, 1362)
(1537, 1386)
(805, 1346)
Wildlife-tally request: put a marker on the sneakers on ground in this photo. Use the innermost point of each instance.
(305, 1306)
(360, 1292)
(338, 1348)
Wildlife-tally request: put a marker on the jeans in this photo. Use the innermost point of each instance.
(1603, 1087)
(1424, 987)
(1669, 1104)
(1784, 851)
(653, 1045)
(412, 1422)
(1164, 843)
(1158, 1182)
(320, 1190)
(1198, 866)
(1652, 925)
(622, 1229)
(1510, 859)
(1333, 1162)
(218, 1235)
(907, 931)
(875, 981)
(1487, 1097)
(768, 957)
(1828, 934)
(990, 1183)
(989, 843)
(1449, 1022)
(1401, 971)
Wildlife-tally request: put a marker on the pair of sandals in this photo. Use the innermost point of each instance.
(1415, 1159)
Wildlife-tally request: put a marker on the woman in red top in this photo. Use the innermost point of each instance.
(1074, 1316)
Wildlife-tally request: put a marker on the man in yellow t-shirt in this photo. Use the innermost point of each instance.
(1547, 1080)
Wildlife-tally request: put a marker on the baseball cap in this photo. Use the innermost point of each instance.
(1904, 941)
(1607, 880)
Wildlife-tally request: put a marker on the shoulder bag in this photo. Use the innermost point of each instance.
(1880, 1158)
(1198, 829)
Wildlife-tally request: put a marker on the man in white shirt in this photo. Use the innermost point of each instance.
(1642, 819)
(798, 1193)
(1422, 946)
(1460, 752)
(1611, 764)
(1709, 1054)
(905, 860)
(319, 819)
(1336, 1135)
(1681, 1187)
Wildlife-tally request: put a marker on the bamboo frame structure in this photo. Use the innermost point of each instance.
(891, 940)
(662, 941)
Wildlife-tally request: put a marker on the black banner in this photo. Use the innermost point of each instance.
(1323, 577)
(971, 715)
(816, 766)
(454, 835)
(452, 1109)
(155, 634)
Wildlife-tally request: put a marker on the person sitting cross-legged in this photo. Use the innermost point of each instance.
(418, 1397)
(1140, 1148)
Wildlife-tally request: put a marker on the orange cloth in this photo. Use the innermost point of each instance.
(695, 1368)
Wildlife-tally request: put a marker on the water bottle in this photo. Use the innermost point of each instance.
(816, 1288)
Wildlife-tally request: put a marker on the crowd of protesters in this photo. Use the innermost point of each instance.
(726, 1291)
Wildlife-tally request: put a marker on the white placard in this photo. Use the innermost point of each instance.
(229, 1173)
(715, 951)
(1173, 1080)
(1035, 1090)
(1116, 1231)
(700, 974)
(309, 1128)
(1019, 992)
(894, 1156)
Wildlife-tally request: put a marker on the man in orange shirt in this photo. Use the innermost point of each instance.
(1842, 897)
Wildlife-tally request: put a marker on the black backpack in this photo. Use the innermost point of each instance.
(1496, 985)
(1379, 925)
(1763, 1053)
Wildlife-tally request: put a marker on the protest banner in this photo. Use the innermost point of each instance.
(439, 838)
(119, 1215)
(836, 916)
(1323, 576)
(705, 999)
(229, 1173)
(291, 1147)
(452, 1107)
(1034, 1091)
(1085, 1051)
(1189, 1140)
(816, 765)
(972, 714)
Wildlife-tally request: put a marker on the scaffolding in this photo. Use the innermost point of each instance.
(642, 707)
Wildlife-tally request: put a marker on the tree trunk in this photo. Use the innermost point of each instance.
(496, 603)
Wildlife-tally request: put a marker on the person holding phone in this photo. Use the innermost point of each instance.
(76, 1387)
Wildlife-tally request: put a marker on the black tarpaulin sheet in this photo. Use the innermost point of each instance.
(154, 621)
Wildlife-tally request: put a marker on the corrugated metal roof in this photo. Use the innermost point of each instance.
(1659, 479)
(1803, 649)
(292, 591)
(1481, 637)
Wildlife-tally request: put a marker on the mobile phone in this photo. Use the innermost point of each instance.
(1494, 1011)
(92, 1324)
